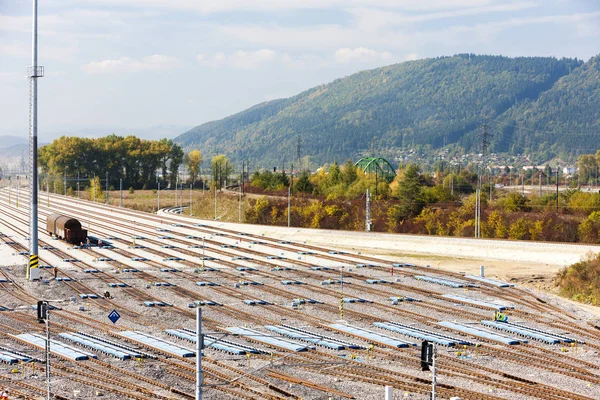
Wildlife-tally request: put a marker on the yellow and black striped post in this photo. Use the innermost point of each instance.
(342, 308)
(33, 263)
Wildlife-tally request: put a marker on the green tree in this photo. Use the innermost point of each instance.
(349, 175)
(587, 168)
(334, 175)
(410, 193)
(303, 183)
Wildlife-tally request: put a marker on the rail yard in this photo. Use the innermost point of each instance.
(283, 319)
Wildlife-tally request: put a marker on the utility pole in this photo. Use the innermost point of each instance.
(289, 195)
(368, 212)
(78, 185)
(35, 72)
(191, 188)
(557, 188)
(215, 187)
(106, 187)
(176, 189)
(523, 185)
(199, 346)
(476, 213)
(485, 142)
(158, 205)
(65, 182)
(540, 175)
(121, 192)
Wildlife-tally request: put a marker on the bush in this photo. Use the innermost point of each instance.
(131, 190)
(581, 281)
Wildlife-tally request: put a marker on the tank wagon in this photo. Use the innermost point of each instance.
(66, 228)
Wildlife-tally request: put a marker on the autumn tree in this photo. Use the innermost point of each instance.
(193, 161)
(221, 169)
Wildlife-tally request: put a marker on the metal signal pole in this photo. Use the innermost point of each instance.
(199, 342)
(48, 392)
(434, 379)
(35, 72)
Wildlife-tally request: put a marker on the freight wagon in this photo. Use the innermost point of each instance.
(66, 228)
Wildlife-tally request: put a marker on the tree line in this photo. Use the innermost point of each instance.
(134, 160)
(439, 204)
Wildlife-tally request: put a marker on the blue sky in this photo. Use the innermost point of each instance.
(128, 65)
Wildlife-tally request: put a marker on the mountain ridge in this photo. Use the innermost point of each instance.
(424, 103)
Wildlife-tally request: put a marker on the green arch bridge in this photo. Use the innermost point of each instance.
(377, 165)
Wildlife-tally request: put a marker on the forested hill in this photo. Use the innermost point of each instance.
(526, 100)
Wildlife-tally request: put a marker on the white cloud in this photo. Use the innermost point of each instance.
(155, 62)
(15, 49)
(239, 60)
(370, 18)
(361, 54)
(218, 6)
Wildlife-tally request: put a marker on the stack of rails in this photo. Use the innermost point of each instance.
(306, 336)
(526, 331)
(56, 347)
(477, 303)
(100, 346)
(277, 342)
(481, 333)
(213, 342)
(157, 344)
(489, 281)
(370, 336)
(422, 334)
(13, 357)
(117, 345)
(445, 282)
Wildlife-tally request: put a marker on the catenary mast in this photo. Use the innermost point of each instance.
(34, 73)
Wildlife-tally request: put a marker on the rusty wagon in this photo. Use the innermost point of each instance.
(66, 228)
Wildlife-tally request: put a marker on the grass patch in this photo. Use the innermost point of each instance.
(203, 202)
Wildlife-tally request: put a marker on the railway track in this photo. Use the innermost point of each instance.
(532, 355)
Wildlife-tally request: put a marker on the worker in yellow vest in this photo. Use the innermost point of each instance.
(500, 317)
